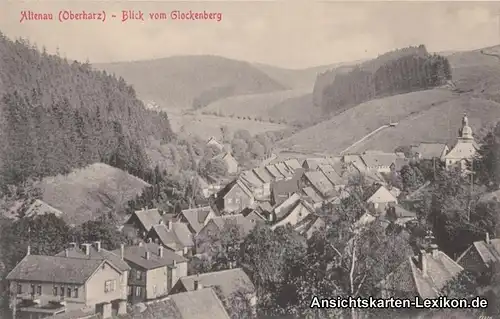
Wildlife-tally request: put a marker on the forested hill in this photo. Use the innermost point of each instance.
(396, 72)
(57, 115)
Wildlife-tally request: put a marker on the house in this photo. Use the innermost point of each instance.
(263, 175)
(464, 150)
(141, 221)
(284, 170)
(196, 218)
(312, 164)
(175, 236)
(292, 212)
(314, 198)
(293, 164)
(255, 215)
(380, 196)
(333, 176)
(479, 257)
(230, 283)
(46, 286)
(255, 184)
(39, 207)
(95, 251)
(424, 275)
(213, 142)
(320, 183)
(379, 161)
(231, 162)
(215, 226)
(282, 189)
(429, 151)
(154, 271)
(309, 225)
(233, 197)
(354, 161)
(274, 172)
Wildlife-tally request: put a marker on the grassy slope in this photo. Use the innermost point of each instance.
(432, 115)
(84, 192)
(177, 81)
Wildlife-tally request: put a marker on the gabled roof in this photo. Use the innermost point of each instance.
(176, 238)
(274, 172)
(356, 160)
(225, 156)
(377, 159)
(428, 150)
(283, 169)
(282, 209)
(250, 179)
(198, 304)
(56, 269)
(293, 164)
(103, 254)
(309, 225)
(229, 281)
(137, 256)
(313, 163)
(332, 175)
(408, 278)
(462, 150)
(245, 224)
(489, 252)
(305, 209)
(381, 195)
(281, 189)
(148, 217)
(39, 207)
(196, 216)
(313, 196)
(223, 192)
(263, 174)
(321, 183)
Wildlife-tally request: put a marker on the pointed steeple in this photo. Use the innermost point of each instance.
(465, 133)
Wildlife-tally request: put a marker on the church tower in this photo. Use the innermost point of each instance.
(465, 132)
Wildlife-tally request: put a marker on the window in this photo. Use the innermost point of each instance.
(154, 289)
(68, 292)
(19, 289)
(75, 292)
(138, 291)
(61, 291)
(39, 290)
(55, 291)
(237, 200)
(129, 290)
(138, 275)
(109, 286)
(229, 200)
(32, 289)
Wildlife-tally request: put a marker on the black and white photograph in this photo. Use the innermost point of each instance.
(249, 159)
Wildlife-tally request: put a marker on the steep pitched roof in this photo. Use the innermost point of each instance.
(282, 209)
(199, 304)
(313, 163)
(408, 278)
(263, 174)
(381, 195)
(223, 192)
(281, 189)
(429, 150)
(103, 254)
(148, 217)
(56, 269)
(229, 281)
(321, 183)
(283, 169)
(311, 193)
(332, 175)
(293, 164)
(137, 256)
(245, 224)
(356, 160)
(39, 207)
(462, 150)
(274, 172)
(251, 180)
(177, 237)
(489, 252)
(377, 159)
(196, 216)
(309, 225)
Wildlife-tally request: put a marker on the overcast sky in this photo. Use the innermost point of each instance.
(292, 34)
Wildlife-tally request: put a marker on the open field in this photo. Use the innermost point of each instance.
(91, 191)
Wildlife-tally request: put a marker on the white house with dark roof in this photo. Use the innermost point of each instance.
(174, 236)
(481, 255)
(52, 285)
(464, 150)
(154, 270)
(230, 283)
(424, 275)
(381, 196)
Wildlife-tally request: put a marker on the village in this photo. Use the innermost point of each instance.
(86, 279)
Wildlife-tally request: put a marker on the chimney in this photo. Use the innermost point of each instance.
(86, 248)
(423, 262)
(147, 255)
(197, 284)
(160, 251)
(434, 250)
(175, 264)
(28, 250)
(72, 245)
(97, 245)
(487, 238)
(122, 251)
(66, 252)
(169, 226)
(161, 222)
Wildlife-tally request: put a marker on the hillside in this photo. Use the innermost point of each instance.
(192, 81)
(56, 116)
(88, 192)
(432, 115)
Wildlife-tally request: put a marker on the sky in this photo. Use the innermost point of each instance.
(290, 34)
